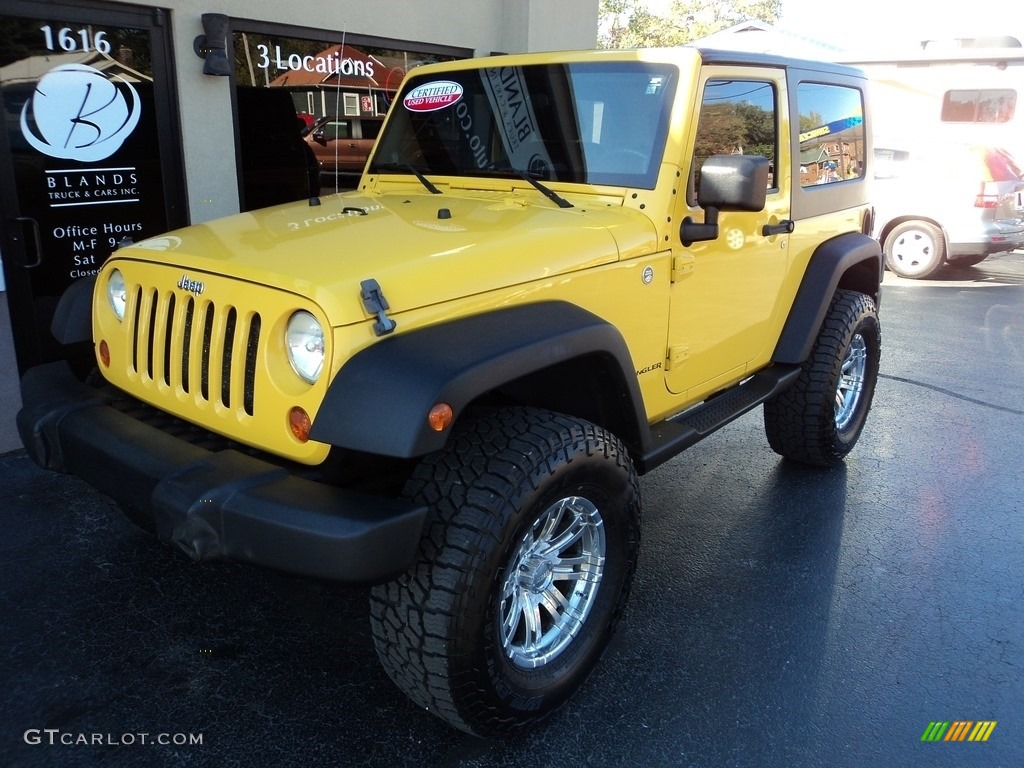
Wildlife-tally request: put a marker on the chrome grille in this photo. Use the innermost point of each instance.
(201, 348)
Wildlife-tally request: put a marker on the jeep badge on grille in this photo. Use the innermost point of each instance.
(192, 286)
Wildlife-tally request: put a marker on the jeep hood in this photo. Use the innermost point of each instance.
(422, 249)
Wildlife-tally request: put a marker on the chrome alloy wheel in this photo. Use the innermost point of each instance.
(851, 381)
(551, 582)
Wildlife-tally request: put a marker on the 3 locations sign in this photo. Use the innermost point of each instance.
(326, 63)
(325, 79)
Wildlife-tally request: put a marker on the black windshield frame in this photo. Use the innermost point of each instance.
(602, 123)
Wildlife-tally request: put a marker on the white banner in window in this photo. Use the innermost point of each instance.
(518, 127)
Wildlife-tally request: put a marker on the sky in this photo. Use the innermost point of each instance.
(869, 24)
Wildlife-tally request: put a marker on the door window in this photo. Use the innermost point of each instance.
(737, 117)
(338, 130)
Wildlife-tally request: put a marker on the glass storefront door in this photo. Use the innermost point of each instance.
(88, 153)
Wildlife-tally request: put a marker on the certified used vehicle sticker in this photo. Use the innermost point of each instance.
(433, 96)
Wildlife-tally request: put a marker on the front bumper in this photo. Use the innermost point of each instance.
(214, 505)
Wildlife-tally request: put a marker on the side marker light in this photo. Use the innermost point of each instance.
(300, 424)
(440, 417)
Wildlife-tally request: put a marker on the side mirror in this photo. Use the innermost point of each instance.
(320, 138)
(727, 183)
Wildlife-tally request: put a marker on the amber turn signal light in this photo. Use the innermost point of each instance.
(300, 424)
(104, 354)
(440, 417)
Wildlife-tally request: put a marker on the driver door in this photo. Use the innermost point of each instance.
(724, 297)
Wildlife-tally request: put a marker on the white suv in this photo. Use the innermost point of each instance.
(945, 203)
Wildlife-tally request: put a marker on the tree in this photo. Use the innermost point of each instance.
(628, 23)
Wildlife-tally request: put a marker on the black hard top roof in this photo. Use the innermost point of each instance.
(747, 58)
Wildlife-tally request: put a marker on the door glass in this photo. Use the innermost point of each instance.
(82, 171)
(737, 117)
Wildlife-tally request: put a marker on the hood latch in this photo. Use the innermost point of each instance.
(375, 303)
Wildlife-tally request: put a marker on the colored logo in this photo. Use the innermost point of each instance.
(959, 730)
(79, 114)
(431, 96)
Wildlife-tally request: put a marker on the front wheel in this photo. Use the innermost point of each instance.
(820, 417)
(522, 574)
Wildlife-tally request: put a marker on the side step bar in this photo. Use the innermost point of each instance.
(674, 435)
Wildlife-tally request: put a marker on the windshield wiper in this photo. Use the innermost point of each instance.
(525, 176)
(411, 169)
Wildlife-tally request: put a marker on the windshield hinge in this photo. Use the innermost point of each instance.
(375, 303)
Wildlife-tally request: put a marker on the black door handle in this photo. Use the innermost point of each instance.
(784, 227)
(37, 242)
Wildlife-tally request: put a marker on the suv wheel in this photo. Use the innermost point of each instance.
(915, 249)
(820, 417)
(523, 571)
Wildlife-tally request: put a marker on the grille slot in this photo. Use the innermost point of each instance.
(204, 375)
(186, 341)
(168, 347)
(168, 340)
(153, 306)
(229, 346)
(135, 330)
(252, 347)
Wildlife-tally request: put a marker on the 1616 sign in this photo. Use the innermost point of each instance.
(71, 40)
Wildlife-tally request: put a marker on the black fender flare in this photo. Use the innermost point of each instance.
(379, 400)
(851, 260)
(72, 320)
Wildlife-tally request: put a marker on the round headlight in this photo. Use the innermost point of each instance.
(117, 293)
(305, 342)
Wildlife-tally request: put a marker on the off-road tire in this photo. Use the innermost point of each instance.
(820, 417)
(437, 628)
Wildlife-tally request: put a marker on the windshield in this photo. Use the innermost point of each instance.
(594, 123)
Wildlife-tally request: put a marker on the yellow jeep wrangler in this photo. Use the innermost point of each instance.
(557, 272)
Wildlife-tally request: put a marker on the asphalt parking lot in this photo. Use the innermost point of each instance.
(781, 616)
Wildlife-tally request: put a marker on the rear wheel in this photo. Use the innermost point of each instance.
(915, 249)
(819, 418)
(522, 573)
